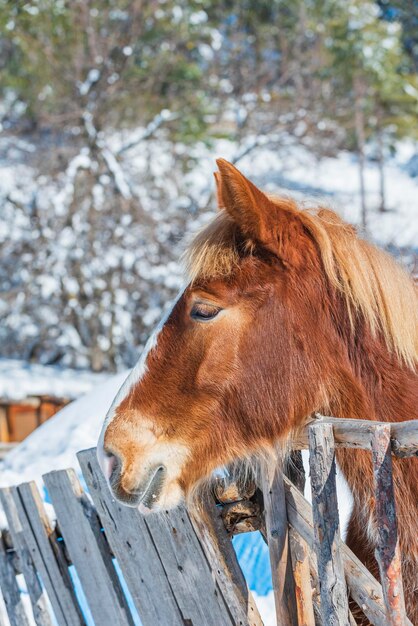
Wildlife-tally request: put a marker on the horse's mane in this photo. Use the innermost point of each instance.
(369, 278)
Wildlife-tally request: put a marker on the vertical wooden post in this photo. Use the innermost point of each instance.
(387, 551)
(334, 601)
(299, 551)
(278, 543)
(37, 594)
(10, 590)
(87, 548)
(209, 526)
(46, 554)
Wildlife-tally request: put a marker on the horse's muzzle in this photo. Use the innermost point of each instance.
(146, 492)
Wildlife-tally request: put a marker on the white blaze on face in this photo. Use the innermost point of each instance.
(133, 378)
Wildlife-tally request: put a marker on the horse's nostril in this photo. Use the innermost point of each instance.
(112, 466)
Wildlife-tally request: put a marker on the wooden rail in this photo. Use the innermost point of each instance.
(179, 568)
(382, 606)
(351, 433)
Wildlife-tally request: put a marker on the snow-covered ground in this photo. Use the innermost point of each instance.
(19, 380)
(55, 443)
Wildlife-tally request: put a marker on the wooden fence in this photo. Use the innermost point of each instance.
(179, 568)
(20, 417)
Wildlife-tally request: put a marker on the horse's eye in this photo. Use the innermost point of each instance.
(204, 312)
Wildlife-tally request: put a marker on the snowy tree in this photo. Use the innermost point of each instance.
(107, 107)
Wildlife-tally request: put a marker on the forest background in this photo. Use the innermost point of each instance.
(111, 115)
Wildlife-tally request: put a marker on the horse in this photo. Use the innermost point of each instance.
(287, 312)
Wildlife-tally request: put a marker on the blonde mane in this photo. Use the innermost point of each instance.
(372, 282)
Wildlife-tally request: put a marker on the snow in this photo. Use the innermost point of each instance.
(137, 249)
(118, 174)
(265, 605)
(19, 380)
(290, 169)
(92, 78)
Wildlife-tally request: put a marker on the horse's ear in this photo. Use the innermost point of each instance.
(249, 207)
(218, 181)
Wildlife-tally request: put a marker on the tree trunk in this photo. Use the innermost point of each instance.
(381, 166)
(361, 142)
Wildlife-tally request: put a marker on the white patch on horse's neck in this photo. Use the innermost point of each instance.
(139, 370)
(133, 378)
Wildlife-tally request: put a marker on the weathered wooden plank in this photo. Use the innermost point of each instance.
(85, 543)
(316, 599)
(299, 552)
(313, 568)
(363, 587)
(278, 543)
(208, 522)
(36, 593)
(404, 438)
(354, 433)
(41, 540)
(130, 541)
(188, 570)
(334, 601)
(387, 550)
(172, 558)
(10, 590)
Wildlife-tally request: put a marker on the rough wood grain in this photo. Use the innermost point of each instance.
(363, 587)
(36, 593)
(190, 575)
(10, 590)
(334, 601)
(299, 552)
(130, 541)
(81, 531)
(316, 598)
(353, 433)
(41, 540)
(278, 543)
(387, 550)
(208, 522)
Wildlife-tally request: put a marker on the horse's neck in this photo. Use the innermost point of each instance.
(374, 385)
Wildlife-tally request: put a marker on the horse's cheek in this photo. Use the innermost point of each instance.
(219, 365)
